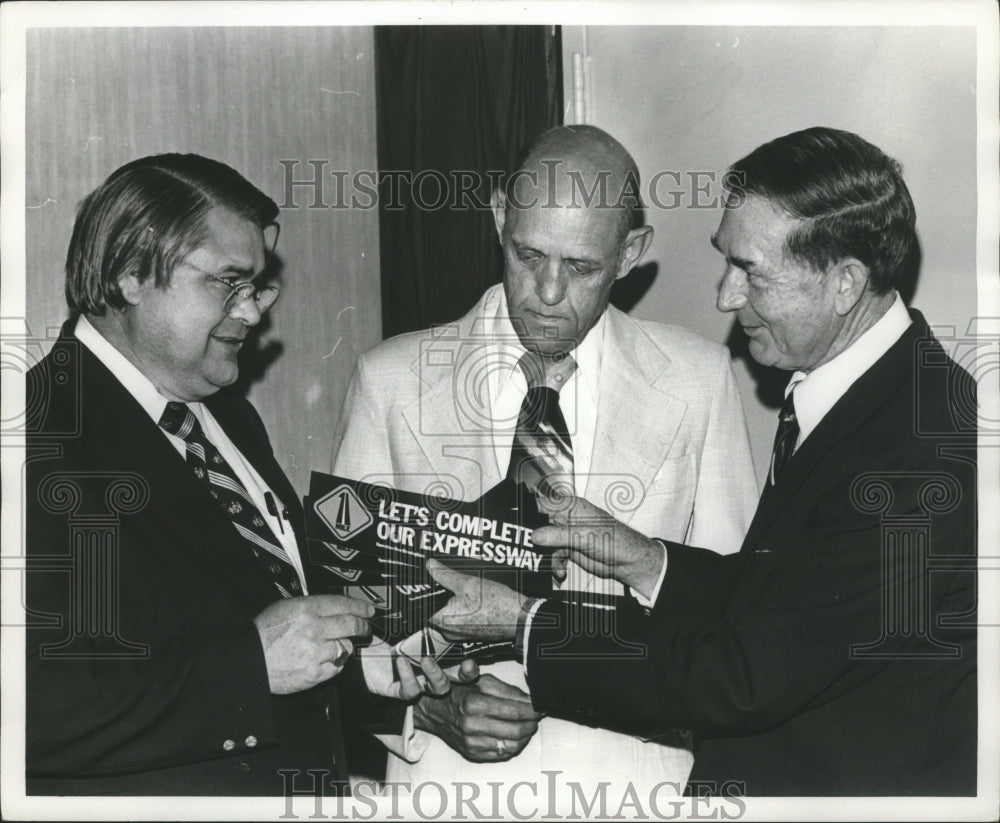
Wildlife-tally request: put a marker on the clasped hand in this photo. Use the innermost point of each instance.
(482, 718)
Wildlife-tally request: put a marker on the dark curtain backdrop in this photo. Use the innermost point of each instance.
(452, 99)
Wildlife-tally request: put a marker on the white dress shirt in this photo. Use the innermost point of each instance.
(154, 403)
(817, 391)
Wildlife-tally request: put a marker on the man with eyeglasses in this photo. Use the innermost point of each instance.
(174, 645)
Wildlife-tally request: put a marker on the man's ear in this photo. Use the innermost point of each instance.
(498, 202)
(850, 280)
(636, 244)
(131, 288)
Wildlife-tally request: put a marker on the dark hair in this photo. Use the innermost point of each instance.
(145, 218)
(848, 194)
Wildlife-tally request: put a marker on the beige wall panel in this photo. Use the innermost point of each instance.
(695, 99)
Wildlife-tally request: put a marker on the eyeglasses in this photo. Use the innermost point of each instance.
(263, 296)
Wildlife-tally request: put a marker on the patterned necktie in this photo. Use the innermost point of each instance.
(211, 468)
(542, 452)
(784, 440)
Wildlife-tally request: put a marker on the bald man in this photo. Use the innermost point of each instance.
(654, 431)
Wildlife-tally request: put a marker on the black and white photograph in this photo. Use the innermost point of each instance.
(479, 410)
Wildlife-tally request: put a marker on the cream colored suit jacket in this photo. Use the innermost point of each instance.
(670, 458)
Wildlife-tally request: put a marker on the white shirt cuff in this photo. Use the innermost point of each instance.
(376, 663)
(527, 628)
(411, 743)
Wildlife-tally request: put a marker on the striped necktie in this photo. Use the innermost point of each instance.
(211, 468)
(542, 458)
(542, 450)
(785, 438)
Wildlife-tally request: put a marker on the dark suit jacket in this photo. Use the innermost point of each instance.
(145, 672)
(835, 653)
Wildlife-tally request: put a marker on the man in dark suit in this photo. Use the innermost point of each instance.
(835, 654)
(170, 649)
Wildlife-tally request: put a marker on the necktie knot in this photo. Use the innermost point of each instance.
(787, 413)
(179, 420)
(547, 372)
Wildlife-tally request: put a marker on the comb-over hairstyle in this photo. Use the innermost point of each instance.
(849, 196)
(145, 218)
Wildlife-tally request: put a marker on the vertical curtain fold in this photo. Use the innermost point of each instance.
(454, 103)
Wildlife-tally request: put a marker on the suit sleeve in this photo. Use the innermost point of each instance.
(726, 495)
(362, 443)
(698, 581)
(812, 601)
(98, 708)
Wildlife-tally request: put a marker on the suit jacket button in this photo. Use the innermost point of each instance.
(251, 741)
(228, 745)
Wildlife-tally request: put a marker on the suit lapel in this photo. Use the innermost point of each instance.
(848, 414)
(248, 434)
(451, 419)
(242, 425)
(122, 438)
(632, 389)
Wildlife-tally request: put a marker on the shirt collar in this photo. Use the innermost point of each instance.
(134, 381)
(588, 354)
(816, 392)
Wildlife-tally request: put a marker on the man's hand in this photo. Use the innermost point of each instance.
(379, 661)
(305, 639)
(433, 682)
(601, 545)
(480, 610)
(482, 718)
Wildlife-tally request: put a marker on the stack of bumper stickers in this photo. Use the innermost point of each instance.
(372, 541)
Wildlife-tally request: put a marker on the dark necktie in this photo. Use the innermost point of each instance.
(784, 440)
(211, 468)
(542, 451)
